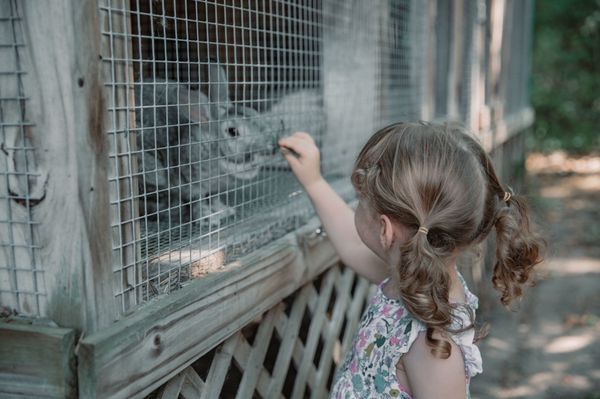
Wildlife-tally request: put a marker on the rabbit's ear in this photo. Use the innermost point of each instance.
(194, 105)
(217, 88)
(247, 111)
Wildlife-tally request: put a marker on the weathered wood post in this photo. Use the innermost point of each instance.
(53, 105)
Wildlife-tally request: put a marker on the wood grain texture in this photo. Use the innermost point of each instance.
(37, 361)
(66, 105)
(144, 350)
(22, 185)
(456, 60)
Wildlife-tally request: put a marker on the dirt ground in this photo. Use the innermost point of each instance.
(550, 346)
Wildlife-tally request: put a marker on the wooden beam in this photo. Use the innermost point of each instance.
(511, 125)
(65, 103)
(140, 352)
(478, 110)
(430, 56)
(123, 166)
(456, 59)
(21, 184)
(37, 361)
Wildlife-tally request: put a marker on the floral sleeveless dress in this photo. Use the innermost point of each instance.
(386, 331)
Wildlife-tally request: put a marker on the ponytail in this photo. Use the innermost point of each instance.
(518, 249)
(424, 287)
(439, 177)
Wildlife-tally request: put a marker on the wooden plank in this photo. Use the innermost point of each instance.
(314, 332)
(22, 185)
(497, 13)
(124, 166)
(220, 366)
(343, 287)
(253, 366)
(418, 16)
(66, 105)
(288, 329)
(162, 337)
(37, 361)
(478, 120)
(172, 388)
(456, 61)
(428, 103)
(353, 315)
(298, 355)
(508, 127)
(193, 386)
(506, 54)
(242, 356)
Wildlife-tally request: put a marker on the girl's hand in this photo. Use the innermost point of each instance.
(307, 165)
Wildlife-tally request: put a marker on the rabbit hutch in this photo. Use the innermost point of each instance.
(155, 243)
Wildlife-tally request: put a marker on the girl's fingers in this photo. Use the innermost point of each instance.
(292, 160)
(303, 136)
(306, 136)
(294, 143)
(299, 138)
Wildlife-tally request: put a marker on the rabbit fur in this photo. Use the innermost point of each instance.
(193, 147)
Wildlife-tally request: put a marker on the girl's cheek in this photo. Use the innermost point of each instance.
(357, 222)
(362, 228)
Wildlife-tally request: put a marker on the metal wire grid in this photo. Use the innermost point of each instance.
(158, 247)
(400, 80)
(22, 288)
(275, 67)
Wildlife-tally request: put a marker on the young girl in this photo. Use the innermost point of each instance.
(426, 193)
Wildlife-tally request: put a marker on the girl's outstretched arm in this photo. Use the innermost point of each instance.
(336, 216)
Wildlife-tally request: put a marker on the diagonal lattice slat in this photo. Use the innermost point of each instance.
(318, 321)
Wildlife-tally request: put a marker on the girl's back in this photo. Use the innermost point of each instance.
(387, 331)
(427, 193)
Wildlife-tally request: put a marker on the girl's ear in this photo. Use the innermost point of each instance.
(387, 235)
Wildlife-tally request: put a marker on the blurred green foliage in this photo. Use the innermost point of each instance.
(566, 75)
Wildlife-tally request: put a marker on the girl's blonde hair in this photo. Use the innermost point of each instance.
(440, 177)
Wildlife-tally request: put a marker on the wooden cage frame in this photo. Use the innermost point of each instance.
(79, 349)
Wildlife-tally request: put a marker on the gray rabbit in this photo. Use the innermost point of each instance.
(193, 147)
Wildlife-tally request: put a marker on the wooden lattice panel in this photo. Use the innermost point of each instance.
(292, 352)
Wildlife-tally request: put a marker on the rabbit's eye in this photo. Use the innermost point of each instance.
(233, 132)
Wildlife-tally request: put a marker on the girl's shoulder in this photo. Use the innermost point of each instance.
(406, 328)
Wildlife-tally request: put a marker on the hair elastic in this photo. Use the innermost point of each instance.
(423, 229)
(507, 196)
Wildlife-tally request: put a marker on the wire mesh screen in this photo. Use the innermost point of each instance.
(443, 39)
(198, 94)
(22, 287)
(399, 82)
(516, 50)
(470, 18)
